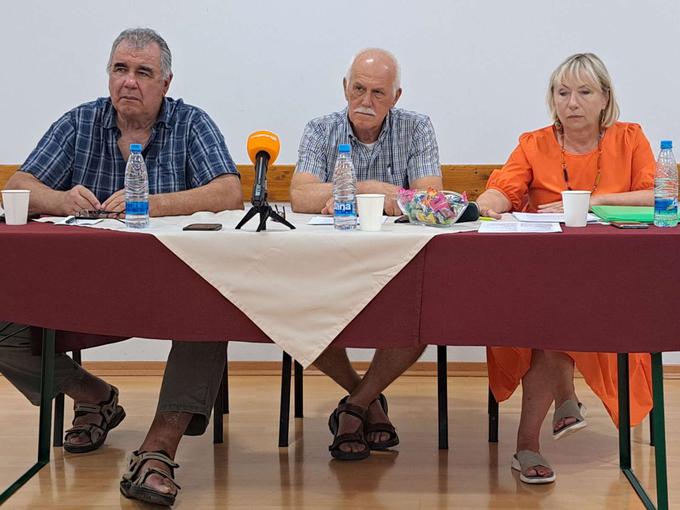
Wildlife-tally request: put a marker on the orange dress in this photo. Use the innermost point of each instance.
(533, 176)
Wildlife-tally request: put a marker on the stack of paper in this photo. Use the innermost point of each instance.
(518, 227)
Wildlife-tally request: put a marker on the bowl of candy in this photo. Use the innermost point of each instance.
(432, 207)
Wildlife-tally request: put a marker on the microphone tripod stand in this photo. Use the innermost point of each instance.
(265, 211)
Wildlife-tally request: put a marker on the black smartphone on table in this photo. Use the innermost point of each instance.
(629, 224)
(203, 227)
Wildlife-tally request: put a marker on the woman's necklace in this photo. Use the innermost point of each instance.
(565, 172)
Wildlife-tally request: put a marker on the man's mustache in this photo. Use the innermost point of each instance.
(365, 110)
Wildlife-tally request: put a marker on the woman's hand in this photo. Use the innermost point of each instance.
(492, 203)
(552, 207)
(489, 213)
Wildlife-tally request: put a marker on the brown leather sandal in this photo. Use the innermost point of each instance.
(351, 437)
(133, 485)
(388, 428)
(111, 415)
(393, 439)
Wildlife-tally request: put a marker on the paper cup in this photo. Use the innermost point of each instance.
(370, 206)
(15, 203)
(576, 205)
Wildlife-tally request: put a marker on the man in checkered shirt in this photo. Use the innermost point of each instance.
(391, 148)
(79, 164)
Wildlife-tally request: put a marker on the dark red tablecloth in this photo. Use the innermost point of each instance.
(585, 289)
(591, 289)
(118, 284)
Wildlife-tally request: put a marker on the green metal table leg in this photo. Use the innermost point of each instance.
(46, 392)
(624, 412)
(659, 433)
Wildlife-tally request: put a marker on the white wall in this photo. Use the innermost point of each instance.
(478, 68)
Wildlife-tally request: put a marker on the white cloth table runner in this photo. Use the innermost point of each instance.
(302, 286)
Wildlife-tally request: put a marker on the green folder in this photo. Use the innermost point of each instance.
(624, 213)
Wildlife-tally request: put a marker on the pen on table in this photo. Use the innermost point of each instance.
(486, 218)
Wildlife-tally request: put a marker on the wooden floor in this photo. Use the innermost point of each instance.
(250, 471)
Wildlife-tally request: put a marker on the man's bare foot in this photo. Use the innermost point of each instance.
(376, 414)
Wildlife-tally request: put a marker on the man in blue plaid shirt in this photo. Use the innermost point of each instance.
(79, 164)
(391, 148)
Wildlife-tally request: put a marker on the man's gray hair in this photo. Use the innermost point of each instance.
(140, 38)
(397, 68)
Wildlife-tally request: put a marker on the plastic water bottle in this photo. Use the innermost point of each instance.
(136, 189)
(344, 190)
(666, 187)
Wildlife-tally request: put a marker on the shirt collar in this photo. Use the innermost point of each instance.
(164, 116)
(387, 125)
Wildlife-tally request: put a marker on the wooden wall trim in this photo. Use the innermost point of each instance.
(469, 178)
(260, 368)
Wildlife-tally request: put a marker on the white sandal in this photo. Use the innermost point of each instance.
(524, 460)
(569, 409)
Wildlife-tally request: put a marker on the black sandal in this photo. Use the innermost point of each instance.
(388, 428)
(351, 437)
(133, 483)
(111, 415)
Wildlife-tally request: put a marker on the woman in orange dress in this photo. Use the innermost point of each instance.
(585, 148)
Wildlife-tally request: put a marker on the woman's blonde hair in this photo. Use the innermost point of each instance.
(585, 68)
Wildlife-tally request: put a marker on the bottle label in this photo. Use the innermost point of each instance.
(669, 205)
(344, 209)
(137, 208)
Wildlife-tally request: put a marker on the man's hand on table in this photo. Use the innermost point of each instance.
(116, 202)
(77, 199)
(391, 207)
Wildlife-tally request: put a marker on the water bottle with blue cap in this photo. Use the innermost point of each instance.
(344, 190)
(666, 187)
(136, 189)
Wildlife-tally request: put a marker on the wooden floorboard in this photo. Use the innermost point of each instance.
(250, 471)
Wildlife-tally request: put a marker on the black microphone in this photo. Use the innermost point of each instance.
(263, 148)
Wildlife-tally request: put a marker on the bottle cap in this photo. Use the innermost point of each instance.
(135, 147)
(666, 144)
(344, 148)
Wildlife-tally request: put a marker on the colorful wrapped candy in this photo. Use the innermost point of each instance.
(432, 207)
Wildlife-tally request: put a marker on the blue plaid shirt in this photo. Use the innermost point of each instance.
(186, 150)
(406, 148)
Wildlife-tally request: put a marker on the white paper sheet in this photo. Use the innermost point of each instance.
(547, 217)
(68, 220)
(517, 227)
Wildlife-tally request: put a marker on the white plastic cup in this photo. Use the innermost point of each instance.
(370, 206)
(15, 203)
(576, 205)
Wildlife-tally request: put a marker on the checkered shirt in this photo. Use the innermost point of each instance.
(406, 148)
(186, 150)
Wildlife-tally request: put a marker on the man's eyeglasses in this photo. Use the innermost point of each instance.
(95, 214)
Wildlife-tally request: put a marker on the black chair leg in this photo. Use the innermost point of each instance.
(493, 418)
(651, 427)
(58, 434)
(218, 413)
(298, 390)
(225, 387)
(284, 415)
(442, 397)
